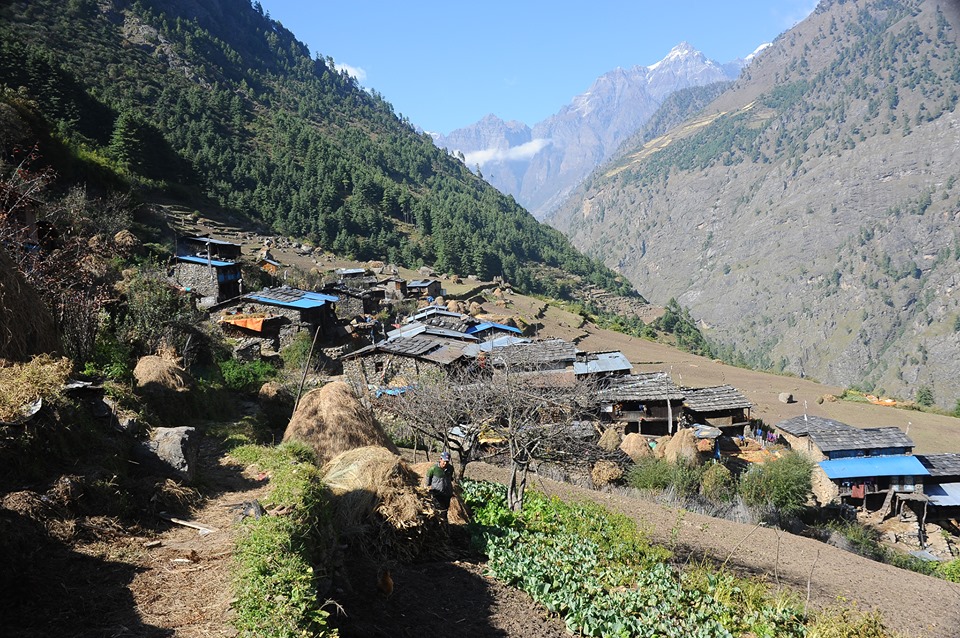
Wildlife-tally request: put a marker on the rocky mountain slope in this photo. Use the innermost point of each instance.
(809, 216)
(540, 166)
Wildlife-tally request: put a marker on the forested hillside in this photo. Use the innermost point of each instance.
(809, 216)
(214, 99)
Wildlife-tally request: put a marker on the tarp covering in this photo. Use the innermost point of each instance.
(864, 466)
(250, 323)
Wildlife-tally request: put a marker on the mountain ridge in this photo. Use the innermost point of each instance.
(808, 216)
(542, 166)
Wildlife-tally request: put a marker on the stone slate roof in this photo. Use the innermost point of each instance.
(536, 353)
(714, 398)
(426, 347)
(648, 386)
(831, 436)
(941, 465)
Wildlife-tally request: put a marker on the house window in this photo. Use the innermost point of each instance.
(378, 366)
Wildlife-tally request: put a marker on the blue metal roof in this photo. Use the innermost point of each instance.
(486, 325)
(303, 303)
(292, 298)
(216, 263)
(474, 349)
(865, 466)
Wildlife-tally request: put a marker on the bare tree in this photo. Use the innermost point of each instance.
(536, 415)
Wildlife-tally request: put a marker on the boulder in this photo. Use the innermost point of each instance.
(171, 452)
(785, 397)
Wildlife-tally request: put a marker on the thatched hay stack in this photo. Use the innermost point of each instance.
(660, 446)
(682, 447)
(156, 374)
(276, 403)
(26, 326)
(606, 473)
(126, 241)
(332, 420)
(376, 499)
(610, 440)
(636, 447)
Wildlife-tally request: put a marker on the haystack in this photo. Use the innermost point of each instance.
(276, 403)
(156, 374)
(376, 500)
(610, 440)
(636, 447)
(26, 326)
(605, 473)
(660, 446)
(682, 447)
(332, 420)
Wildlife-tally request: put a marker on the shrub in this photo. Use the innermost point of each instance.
(718, 484)
(783, 484)
(246, 376)
(950, 571)
(650, 474)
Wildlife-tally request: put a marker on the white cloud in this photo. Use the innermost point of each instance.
(515, 153)
(353, 71)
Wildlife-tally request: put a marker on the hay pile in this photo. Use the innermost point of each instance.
(276, 403)
(26, 326)
(636, 447)
(610, 440)
(332, 420)
(159, 375)
(22, 384)
(682, 446)
(606, 473)
(377, 500)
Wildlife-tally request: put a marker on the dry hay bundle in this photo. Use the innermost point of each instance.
(458, 514)
(332, 420)
(375, 495)
(156, 374)
(605, 473)
(681, 447)
(276, 403)
(26, 326)
(23, 384)
(126, 241)
(635, 446)
(610, 440)
(660, 446)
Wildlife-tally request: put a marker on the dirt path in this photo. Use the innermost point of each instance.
(918, 606)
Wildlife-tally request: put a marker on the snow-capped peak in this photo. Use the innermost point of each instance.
(682, 50)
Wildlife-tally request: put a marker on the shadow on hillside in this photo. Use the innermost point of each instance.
(50, 590)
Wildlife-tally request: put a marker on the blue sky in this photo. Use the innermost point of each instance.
(446, 64)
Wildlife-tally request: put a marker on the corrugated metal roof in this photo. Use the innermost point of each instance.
(598, 362)
(291, 297)
(941, 464)
(943, 494)
(647, 386)
(867, 466)
(487, 325)
(831, 436)
(216, 263)
(211, 240)
(420, 283)
(719, 397)
(474, 349)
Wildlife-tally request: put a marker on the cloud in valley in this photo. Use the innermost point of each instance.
(353, 71)
(512, 154)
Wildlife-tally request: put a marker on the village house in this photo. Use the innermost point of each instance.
(213, 280)
(601, 364)
(398, 362)
(280, 313)
(859, 466)
(355, 302)
(942, 487)
(394, 288)
(429, 288)
(208, 247)
(646, 403)
(721, 406)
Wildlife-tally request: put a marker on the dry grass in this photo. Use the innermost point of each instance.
(26, 326)
(332, 420)
(23, 383)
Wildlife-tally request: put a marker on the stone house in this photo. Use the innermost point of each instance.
(860, 466)
(399, 362)
(278, 314)
(214, 280)
(721, 406)
(424, 288)
(647, 403)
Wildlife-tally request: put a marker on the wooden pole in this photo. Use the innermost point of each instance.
(306, 364)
